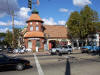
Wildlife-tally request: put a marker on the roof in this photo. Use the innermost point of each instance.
(55, 31)
(34, 17)
(33, 34)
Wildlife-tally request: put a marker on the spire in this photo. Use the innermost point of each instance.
(35, 16)
(35, 11)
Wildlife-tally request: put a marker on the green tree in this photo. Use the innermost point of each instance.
(17, 36)
(73, 25)
(8, 38)
(80, 25)
(88, 17)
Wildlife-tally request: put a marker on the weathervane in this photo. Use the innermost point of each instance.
(30, 2)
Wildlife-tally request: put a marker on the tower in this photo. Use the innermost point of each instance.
(34, 37)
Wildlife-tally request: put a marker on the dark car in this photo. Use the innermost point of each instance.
(12, 62)
(10, 50)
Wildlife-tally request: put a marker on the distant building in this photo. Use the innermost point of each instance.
(43, 37)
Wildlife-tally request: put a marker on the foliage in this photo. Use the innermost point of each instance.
(80, 25)
(9, 39)
(73, 25)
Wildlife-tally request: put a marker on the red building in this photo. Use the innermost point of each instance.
(42, 36)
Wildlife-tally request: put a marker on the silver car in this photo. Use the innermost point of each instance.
(61, 49)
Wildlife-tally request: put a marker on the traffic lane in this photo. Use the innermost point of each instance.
(74, 66)
(28, 71)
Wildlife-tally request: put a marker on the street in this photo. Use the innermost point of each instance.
(77, 64)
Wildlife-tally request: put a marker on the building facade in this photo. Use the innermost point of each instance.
(41, 37)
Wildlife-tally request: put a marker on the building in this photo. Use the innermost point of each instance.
(41, 37)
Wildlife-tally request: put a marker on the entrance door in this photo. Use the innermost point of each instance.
(29, 44)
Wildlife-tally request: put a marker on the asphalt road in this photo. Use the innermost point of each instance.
(77, 64)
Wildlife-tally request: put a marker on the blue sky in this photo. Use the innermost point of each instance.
(53, 12)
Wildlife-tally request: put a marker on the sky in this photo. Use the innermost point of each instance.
(52, 12)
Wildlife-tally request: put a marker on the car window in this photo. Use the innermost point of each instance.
(65, 46)
(69, 46)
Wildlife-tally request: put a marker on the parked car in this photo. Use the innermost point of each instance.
(12, 62)
(10, 50)
(90, 49)
(28, 50)
(19, 50)
(0, 49)
(61, 49)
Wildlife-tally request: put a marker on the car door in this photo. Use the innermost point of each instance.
(2, 61)
(66, 49)
(69, 48)
(6, 62)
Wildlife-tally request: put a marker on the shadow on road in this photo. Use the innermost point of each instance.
(68, 69)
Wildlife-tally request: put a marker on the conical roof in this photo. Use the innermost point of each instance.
(34, 17)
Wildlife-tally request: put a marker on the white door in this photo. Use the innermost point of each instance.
(30, 44)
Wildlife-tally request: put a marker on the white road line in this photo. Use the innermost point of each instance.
(40, 71)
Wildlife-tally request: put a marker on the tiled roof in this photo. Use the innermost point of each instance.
(34, 34)
(55, 31)
(35, 17)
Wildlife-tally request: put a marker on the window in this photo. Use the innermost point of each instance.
(37, 23)
(37, 28)
(31, 28)
(30, 23)
(38, 43)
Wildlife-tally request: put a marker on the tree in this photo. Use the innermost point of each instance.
(8, 38)
(17, 36)
(80, 25)
(73, 25)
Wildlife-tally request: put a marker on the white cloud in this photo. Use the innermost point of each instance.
(61, 22)
(4, 30)
(16, 22)
(19, 22)
(81, 2)
(50, 21)
(63, 10)
(23, 13)
(3, 23)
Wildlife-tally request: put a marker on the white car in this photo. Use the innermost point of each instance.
(28, 50)
(61, 49)
(19, 50)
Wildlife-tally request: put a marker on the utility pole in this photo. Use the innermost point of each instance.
(13, 36)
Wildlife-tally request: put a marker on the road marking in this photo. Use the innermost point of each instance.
(40, 71)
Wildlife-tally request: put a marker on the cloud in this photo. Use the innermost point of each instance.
(61, 22)
(81, 2)
(50, 21)
(6, 6)
(63, 10)
(3, 23)
(16, 22)
(23, 13)
(4, 30)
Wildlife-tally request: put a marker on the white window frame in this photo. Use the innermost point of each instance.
(37, 28)
(31, 28)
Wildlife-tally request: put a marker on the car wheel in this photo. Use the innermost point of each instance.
(57, 52)
(69, 52)
(19, 67)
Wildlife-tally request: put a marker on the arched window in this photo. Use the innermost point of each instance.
(37, 28)
(31, 28)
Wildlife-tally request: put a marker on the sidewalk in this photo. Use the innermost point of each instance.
(45, 53)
